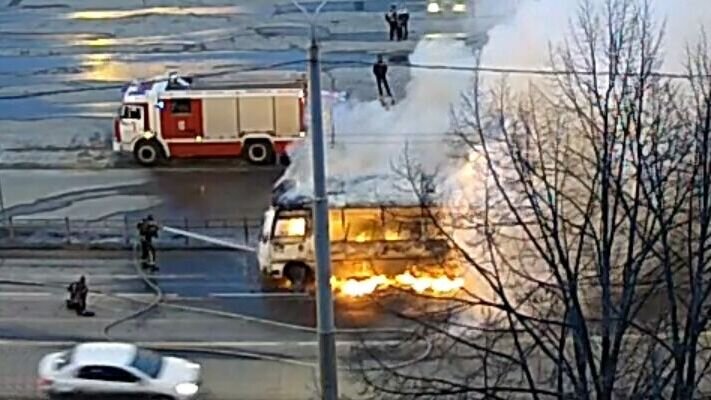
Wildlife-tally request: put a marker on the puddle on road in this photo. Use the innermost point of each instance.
(143, 12)
(105, 68)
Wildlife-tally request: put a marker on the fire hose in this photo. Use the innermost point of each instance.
(159, 301)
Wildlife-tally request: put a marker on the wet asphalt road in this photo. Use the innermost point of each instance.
(218, 280)
(276, 347)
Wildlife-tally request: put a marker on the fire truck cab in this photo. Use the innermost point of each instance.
(174, 117)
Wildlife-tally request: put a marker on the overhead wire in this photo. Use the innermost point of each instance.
(512, 70)
(326, 62)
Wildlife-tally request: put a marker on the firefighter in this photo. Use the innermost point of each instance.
(403, 18)
(392, 20)
(78, 292)
(148, 230)
(380, 70)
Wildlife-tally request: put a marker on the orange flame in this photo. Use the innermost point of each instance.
(354, 287)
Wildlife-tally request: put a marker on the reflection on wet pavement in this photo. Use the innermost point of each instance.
(142, 12)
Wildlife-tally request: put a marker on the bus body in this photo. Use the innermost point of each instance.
(373, 245)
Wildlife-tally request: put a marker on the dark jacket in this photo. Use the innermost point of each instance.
(148, 230)
(380, 69)
(391, 17)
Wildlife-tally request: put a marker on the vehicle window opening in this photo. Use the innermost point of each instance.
(130, 112)
(180, 106)
(290, 227)
(148, 362)
(134, 113)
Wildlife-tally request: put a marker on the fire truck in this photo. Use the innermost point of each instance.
(177, 117)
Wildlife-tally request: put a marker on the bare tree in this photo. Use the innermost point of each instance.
(582, 218)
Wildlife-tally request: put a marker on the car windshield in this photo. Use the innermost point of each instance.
(148, 362)
(64, 359)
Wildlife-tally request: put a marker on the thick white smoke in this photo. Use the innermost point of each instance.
(369, 139)
(539, 26)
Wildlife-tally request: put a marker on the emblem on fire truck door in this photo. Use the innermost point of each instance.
(181, 125)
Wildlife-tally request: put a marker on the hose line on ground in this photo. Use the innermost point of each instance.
(160, 301)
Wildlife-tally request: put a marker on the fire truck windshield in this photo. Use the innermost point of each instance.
(130, 112)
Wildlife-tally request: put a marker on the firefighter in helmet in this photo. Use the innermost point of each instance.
(148, 230)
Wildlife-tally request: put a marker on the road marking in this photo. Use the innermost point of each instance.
(26, 294)
(174, 296)
(56, 294)
(157, 276)
(238, 295)
(146, 295)
(120, 277)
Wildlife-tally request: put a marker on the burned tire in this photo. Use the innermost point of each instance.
(260, 152)
(148, 153)
(299, 275)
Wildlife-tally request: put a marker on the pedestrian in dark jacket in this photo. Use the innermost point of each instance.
(403, 17)
(392, 19)
(380, 70)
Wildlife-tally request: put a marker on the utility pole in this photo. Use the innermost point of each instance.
(2, 200)
(324, 300)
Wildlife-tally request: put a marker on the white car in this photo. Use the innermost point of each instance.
(117, 370)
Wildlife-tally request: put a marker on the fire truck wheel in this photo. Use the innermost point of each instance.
(147, 153)
(260, 152)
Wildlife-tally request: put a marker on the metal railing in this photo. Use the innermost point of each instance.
(120, 232)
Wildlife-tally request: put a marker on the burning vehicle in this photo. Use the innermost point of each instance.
(375, 243)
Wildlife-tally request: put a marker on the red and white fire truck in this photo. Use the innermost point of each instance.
(174, 117)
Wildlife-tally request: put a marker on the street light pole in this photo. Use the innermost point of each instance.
(324, 305)
(324, 302)
(2, 199)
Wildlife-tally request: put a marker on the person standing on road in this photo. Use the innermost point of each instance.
(78, 292)
(148, 230)
(392, 19)
(403, 17)
(380, 70)
(83, 293)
